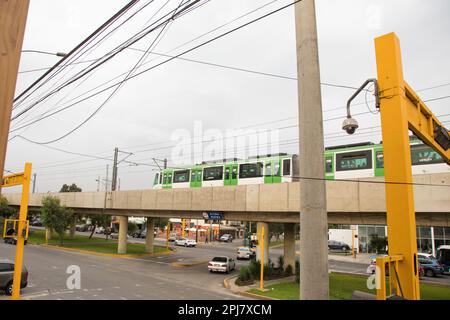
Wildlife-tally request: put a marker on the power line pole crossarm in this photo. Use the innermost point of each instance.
(313, 209)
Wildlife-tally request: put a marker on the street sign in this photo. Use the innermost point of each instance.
(213, 215)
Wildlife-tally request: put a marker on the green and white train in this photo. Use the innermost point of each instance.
(362, 160)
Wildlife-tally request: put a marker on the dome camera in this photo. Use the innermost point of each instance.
(350, 125)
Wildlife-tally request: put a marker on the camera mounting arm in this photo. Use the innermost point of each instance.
(350, 124)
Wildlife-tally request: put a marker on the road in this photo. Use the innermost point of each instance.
(155, 277)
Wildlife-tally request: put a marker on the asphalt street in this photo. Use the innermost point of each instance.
(153, 277)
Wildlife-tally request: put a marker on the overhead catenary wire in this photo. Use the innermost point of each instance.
(197, 46)
(128, 6)
(105, 59)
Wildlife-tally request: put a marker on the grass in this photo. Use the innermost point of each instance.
(94, 244)
(342, 286)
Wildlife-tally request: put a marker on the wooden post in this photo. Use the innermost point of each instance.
(13, 17)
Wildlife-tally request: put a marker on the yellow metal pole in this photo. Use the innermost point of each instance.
(183, 225)
(353, 244)
(18, 263)
(380, 273)
(397, 162)
(167, 235)
(261, 282)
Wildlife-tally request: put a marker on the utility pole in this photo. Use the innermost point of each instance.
(313, 210)
(98, 184)
(13, 17)
(165, 163)
(34, 182)
(114, 173)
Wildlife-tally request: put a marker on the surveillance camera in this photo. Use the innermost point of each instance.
(350, 125)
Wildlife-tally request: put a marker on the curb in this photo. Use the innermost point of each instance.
(226, 284)
(188, 264)
(102, 254)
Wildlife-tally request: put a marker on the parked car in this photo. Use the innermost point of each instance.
(36, 222)
(421, 271)
(186, 242)
(115, 235)
(338, 245)
(100, 230)
(245, 253)
(7, 275)
(140, 234)
(82, 227)
(425, 256)
(372, 267)
(373, 263)
(431, 266)
(226, 238)
(221, 264)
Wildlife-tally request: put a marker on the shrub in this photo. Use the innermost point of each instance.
(281, 262)
(288, 270)
(297, 271)
(254, 268)
(245, 277)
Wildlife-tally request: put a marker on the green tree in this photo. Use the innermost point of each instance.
(56, 217)
(72, 188)
(6, 212)
(99, 220)
(161, 223)
(77, 218)
(378, 243)
(132, 228)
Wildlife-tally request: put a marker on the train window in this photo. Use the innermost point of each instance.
(181, 176)
(421, 154)
(192, 175)
(160, 178)
(234, 173)
(155, 182)
(213, 173)
(329, 164)
(276, 169)
(169, 178)
(227, 173)
(251, 170)
(165, 178)
(380, 159)
(286, 167)
(356, 160)
(268, 168)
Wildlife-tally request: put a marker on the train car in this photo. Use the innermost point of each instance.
(266, 169)
(352, 161)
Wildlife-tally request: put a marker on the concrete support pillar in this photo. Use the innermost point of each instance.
(259, 226)
(289, 245)
(150, 235)
(123, 230)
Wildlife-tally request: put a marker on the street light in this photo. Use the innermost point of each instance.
(58, 54)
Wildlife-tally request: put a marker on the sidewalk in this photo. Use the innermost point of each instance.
(362, 258)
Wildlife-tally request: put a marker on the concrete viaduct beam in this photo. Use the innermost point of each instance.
(348, 202)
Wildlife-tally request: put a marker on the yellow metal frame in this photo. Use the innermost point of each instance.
(394, 285)
(14, 224)
(261, 248)
(401, 110)
(23, 179)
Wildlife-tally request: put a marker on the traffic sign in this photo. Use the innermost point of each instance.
(213, 215)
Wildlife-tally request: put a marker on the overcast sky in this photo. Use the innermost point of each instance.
(184, 97)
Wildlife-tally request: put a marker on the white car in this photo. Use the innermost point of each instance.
(245, 253)
(185, 242)
(100, 230)
(221, 264)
